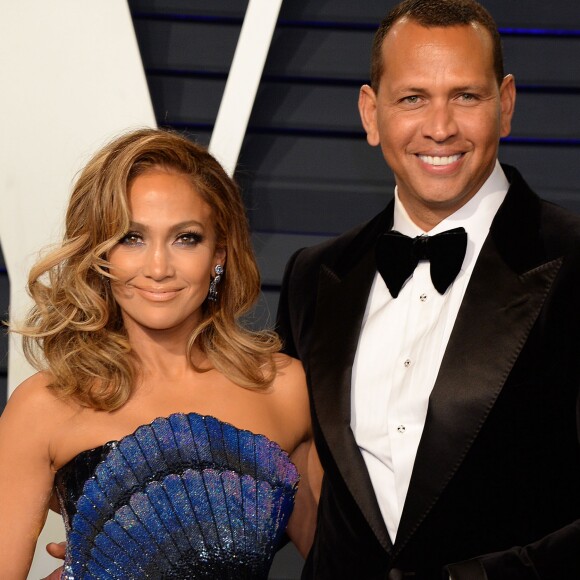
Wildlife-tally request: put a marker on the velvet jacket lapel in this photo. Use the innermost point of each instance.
(507, 290)
(344, 286)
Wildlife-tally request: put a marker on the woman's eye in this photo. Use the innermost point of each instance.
(131, 239)
(189, 239)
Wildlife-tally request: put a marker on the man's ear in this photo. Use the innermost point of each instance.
(367, 107)
(507, 95)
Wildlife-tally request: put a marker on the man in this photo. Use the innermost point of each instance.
(445, 408)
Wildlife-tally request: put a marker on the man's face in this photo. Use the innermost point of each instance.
(438, 115)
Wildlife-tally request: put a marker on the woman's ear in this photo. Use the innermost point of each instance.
(219, 256)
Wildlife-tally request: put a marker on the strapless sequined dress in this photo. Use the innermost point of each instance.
(184, 497)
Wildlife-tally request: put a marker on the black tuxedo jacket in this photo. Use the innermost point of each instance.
(496, 481)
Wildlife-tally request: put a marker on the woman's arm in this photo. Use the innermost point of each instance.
(294, 413)
(302, 523)
(26, 474)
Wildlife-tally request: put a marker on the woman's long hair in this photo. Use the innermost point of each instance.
(75, 329)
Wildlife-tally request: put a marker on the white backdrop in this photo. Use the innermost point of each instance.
(71, 78)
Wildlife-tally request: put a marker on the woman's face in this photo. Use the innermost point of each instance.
(163, 263)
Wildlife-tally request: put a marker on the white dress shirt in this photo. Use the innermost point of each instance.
(400, 350)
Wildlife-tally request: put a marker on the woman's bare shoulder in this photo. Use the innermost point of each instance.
(290, 390)
(35, 397)
(34, 388)
(287, 364)
(290, 374)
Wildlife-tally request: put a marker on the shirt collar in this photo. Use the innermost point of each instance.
(475, 216)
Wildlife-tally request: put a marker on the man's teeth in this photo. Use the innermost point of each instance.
(439, 160)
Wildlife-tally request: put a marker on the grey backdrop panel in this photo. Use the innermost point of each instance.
(531, 14)
(182, 8)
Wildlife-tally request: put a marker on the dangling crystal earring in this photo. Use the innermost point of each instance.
(213, 294)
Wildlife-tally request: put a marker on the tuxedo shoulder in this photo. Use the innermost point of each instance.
(330, 248)
(554, 221)
(559, 215)
(350, 244)
(560, 227)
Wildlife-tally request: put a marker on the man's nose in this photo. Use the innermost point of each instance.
(440, 123)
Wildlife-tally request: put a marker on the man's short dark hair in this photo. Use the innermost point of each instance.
(437, 13)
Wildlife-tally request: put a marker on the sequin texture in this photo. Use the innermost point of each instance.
(187, 496)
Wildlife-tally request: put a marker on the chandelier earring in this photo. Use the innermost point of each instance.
(213, 293)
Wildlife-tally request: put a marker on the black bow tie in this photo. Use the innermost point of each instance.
(398, 255)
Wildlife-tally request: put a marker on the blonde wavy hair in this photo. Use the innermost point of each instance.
(75, 329)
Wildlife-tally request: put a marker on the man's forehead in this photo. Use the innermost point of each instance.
(401, 28)
(407, 36)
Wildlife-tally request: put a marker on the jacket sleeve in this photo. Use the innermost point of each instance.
(283, 318)
(554, 557)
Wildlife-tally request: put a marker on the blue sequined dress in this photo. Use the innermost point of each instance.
(184, 497)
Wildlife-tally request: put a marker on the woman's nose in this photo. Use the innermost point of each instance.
(158, 264)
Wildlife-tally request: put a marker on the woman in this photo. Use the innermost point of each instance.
(171, 436)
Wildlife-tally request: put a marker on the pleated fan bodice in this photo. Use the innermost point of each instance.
(187, 496)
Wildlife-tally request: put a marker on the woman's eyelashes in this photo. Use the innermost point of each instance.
(131, 239)
(188, 238)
